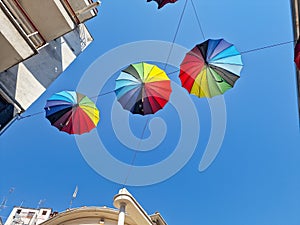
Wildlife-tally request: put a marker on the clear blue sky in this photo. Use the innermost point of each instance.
(255, 178)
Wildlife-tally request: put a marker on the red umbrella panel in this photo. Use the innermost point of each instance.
(162, 3)
(297, 54)
(72, 112)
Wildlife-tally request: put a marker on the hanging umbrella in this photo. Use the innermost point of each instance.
(161, 3)
(143, 88)
(72, 112)
(210, 68)
(297, 54)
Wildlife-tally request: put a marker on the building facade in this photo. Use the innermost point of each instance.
(28, 216)
(39, 40)
(128, 211)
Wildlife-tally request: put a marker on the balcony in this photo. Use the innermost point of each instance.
(28, 25)
(81, 11)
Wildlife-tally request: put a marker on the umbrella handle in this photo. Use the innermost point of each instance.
(219, 81)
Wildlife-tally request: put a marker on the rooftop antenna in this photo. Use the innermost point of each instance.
(73, 196)
(3, 203)
(41, 202)
(5, 198)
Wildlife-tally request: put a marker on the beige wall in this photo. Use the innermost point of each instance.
(13, 46)
(26, 81)
(49, 16)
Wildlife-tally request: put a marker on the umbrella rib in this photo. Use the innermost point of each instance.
(162, 72)
(159, 85)
(91, 111)
(225, 63)
(222, 48)
(63, 124)
(157, 94)
(86, 125)
(208, 86)
(126, 86)
(227, 56)
(190, 61)
(131, 75)
(192, 71)
(150, 71)
(220, 71)
(199, 90)
(208, 90)
(139, 90)
(198, 56)
(210, 70)
(128, 80)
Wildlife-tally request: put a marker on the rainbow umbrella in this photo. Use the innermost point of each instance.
(161, 3)
(297, 54)
(72, 112)
(143, 88)
(210, 68)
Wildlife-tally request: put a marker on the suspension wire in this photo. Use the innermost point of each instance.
(105, 93)
(34, 114)
(177, 29)
(37, 113)
(135, 152)
(268, 46)
(169, 54)
(242, 52)
(198, 21)
(173, 72)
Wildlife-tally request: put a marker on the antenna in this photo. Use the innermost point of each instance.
(3, 203)
(73, 196)
(41, 202)
(5, 198)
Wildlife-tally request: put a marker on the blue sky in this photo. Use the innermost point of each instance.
(255, 178)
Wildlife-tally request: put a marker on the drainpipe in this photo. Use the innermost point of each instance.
(121, 219)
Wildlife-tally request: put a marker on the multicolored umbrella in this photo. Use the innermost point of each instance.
(72, 112)
(161, 3)
(143, 88)
(210, 68)
(297, 54)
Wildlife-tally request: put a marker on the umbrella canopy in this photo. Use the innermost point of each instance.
(72, 112)
(161, 3)
(297, 54)
(210, 68)
(143, 88)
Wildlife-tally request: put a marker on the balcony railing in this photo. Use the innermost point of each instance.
(21, 20)
(71, 12)
(87, 6)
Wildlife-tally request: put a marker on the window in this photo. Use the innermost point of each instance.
(44, 212)
(30, 215)
(6, 112)
(18, 211)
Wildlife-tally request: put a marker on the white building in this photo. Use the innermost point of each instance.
(28, 216)
(128, 211)
(39, 39)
